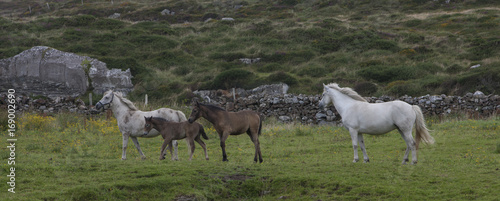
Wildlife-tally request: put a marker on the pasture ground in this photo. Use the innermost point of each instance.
(68, 158)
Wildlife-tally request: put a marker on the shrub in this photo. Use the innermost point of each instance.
(229, 56)
(454, 69)
(366, 88)
(399, 88)
(232, 78)
(155, 41)
(282, 77)
(105, 23)
(271, 67)
(313, 71)
(383, 73)
(81, 20)
(384, 45)
(414, 38)
(181, 70)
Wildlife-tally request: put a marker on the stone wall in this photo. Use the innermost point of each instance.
(304, 108)
(273, 101)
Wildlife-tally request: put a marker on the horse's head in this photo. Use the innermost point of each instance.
(325, 97)
(107, 99)
(148, 125)
(195, 113)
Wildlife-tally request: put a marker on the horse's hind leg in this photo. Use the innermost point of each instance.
(362, 145)
(202, 144)
(223, 139)
(176, 145)
(255, 139)
(136, 143)
(410, 145)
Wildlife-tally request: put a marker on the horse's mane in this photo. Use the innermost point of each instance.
(213, 107)
(347, 91)
(127, 102)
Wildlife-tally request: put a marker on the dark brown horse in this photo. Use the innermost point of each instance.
(175, 131)
(230, 123)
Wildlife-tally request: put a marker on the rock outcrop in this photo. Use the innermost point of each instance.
(49, 72)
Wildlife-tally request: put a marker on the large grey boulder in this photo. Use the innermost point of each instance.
(49, 72)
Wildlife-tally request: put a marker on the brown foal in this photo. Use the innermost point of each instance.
(230, 123)
(176, 131)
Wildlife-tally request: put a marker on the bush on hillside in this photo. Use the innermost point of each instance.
(237, 78)
(282, 77)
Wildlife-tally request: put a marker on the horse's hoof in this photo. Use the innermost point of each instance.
(225, 160)
(414, 162)
(404, 161)
(124, 159)
(143, 157)
(366, 161)
(162, 158)
(355, 160)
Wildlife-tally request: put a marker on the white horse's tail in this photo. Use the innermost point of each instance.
(422, 131)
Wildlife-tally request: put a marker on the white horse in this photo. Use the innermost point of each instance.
(131, 120)
(359, 117)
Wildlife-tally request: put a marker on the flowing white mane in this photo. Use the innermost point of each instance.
(347, 91)
(127, 102)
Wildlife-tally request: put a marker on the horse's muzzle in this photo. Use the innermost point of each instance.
(321, 106)
(98, 105)
(190, 121)
(145, 133)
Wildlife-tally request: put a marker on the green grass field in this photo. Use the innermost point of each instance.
(68, 158)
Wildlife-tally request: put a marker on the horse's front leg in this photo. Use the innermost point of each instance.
(362, 145)
(163, 148)
(354, 138)
(124, 145)
(136, 143)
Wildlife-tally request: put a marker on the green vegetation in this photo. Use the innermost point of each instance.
(70, 157)
(394, 47)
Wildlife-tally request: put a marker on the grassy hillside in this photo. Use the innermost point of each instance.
(68, 158)
(378, 47)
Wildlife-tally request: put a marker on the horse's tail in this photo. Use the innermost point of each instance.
(260, 124)
(422, 131)
(203, 134)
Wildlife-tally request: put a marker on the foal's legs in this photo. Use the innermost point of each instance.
(191, 145)
(202, 144)
(362, 145)
(136, 143)
(166, 141)
(410, 145)
(223, 139)
(354, 138)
